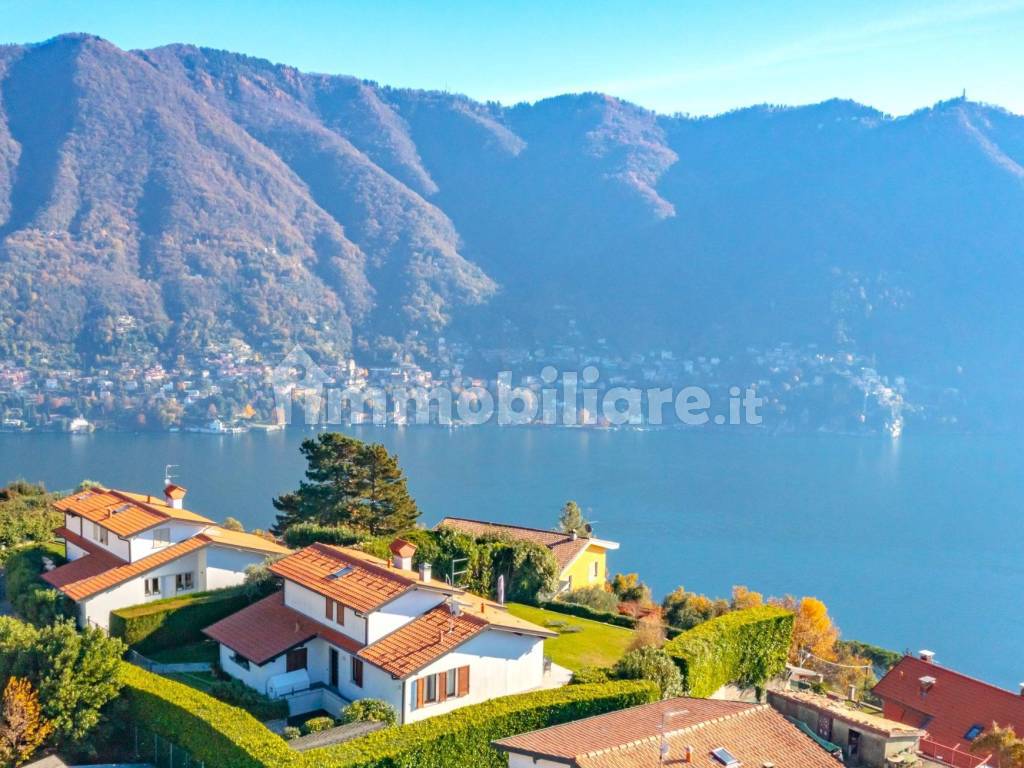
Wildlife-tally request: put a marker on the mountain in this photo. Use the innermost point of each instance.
(191, 196)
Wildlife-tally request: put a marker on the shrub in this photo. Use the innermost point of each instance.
(584, 612)
(215, 733)
(590, 676)
(630, 589)
(370, 710)
(32, 599)
(27, 514)
(239, 694)
(317, 724)
(463, 737)
(595, 597)
(746, 647)
(649, 634)
(651, 664)
(290, 732)
(175, 621)
(302, 535)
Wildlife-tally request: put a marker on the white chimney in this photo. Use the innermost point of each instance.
(1022, 689)
(926, 655)
(175, 496)
(425, 571)
(573, 535)
(401, 554)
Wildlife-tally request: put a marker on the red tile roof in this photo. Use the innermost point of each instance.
(123, 513)
(423, 640)
(951, 706)
(755, 734)
(368, 583)
(268, 628)
(97, 561)
(562, 545)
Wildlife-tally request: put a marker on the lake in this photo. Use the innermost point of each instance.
(912, 544)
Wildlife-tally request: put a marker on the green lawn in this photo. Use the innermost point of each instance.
(595, 645)
(206, 651)
(202, 681)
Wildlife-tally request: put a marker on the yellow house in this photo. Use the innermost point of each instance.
(581, 560)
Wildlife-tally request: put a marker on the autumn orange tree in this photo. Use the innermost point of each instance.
(743, 598)
(22, 727)
(1003, 743)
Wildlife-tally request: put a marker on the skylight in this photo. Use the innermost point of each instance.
(343, 571)
(974, 732)
(725, 757)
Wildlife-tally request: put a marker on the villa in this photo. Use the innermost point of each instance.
(700, 733)
(347, 626)
(129, 548)
(582, 560)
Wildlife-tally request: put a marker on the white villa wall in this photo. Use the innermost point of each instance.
(314, 605)
(87, 530)
(144, 544)
(500, 663)
(255, 676)
(400, 611)
(74, 552)
(517, 760)
(96, 609)
(225, 567)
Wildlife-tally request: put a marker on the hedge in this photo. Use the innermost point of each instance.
(175, 621)
(746, 647)
(33, 599)
(302, 535)
(210, 730)
(463, 737)
(586, 612)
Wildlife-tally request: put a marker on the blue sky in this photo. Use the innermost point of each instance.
(681, 56)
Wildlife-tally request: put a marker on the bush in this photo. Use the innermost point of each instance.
(317, 724)
(213, 732)
(239, 694)
(370, 710)
(302, 535)
(175, 621)
(746, 647)
(31, 597)
(651, 664)
(463, 737)
(596, 598)
(27, 514)
(590, 676)
(290, 732)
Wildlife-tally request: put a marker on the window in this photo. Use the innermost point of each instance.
(100, 533)
(183, 581)
(153, 585)
(596, 569)
(450, 677)
(357, 672)
(974, 732)
(334, 611)
(430, 694)
(240, 660)
(161, 537)
(724, 756)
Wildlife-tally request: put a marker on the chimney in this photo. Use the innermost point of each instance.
(926, 683)
(425, 571)
(573, 535)
(401, 554)
(175, 495)
(1022, 689)
(928, 656)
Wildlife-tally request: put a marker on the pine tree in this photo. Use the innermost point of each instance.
(572, 519)
(351, 483)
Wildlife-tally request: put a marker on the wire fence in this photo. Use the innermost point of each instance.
(160, 752)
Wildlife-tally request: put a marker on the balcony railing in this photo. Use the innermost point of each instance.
(953, 756)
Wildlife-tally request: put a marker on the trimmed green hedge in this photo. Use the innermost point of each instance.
(34, 600)
(175, 621)
(463, 737)
(210, 730)
(744, 647)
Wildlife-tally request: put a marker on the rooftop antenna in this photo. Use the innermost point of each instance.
(170, 473)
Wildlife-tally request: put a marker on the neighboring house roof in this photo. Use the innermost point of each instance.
(353, 578)
(841, 711)
(439, 631)
(564, 547)
(754, 734)
(47, 762)
(82, 581)
(951, 706)
(122, 513)
(268, 628)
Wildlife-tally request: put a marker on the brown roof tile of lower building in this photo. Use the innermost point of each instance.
(96, 562)
(268, 628)
(562, 545)
(754, 734)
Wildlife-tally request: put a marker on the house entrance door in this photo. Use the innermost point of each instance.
(334, 667)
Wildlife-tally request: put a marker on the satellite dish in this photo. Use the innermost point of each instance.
(588, 528)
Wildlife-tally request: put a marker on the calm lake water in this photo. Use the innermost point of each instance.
(912, 544)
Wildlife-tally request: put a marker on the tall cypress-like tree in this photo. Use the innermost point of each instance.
(572, 519)
(348, 482)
